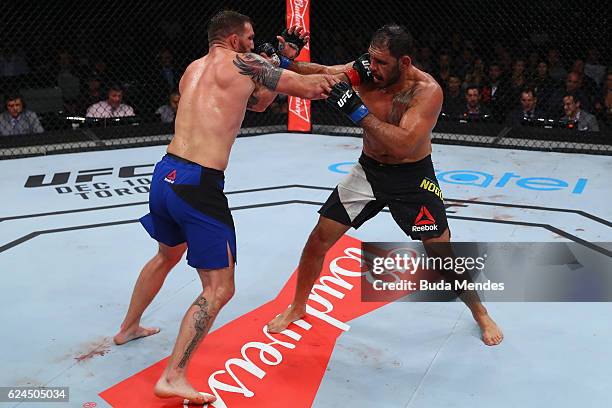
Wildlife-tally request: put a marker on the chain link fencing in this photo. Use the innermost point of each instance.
(78, 76)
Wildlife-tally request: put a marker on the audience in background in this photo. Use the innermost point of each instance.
(474, 110)
(495, 92)
(572, 87)
(454, 98)
(577, 118)
(542, 83)
(167, 113)
(112, 107)
(528, 113)
(16, 120)
(479, 81)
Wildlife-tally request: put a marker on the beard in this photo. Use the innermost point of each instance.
(394, 76)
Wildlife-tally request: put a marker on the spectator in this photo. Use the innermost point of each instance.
(593, 68)
(66, 76)
(495, 92)
(454, 98)
(424, 59)
(543, 84)
(555, 67)
(588, 85)
(603, 106)
(572, 87)
(474, 109)
(168, 75)
(443, 70)
(475, 74)
(112, 107)
(167, 113)
(100, 71)
(528, 112)
(575, 117)
(532, 65)
(91, 95)
(16, 120)
(517, 82)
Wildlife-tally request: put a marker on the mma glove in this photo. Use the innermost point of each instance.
(360, 72)
(293, 40)
(268, 49)
(344, 98)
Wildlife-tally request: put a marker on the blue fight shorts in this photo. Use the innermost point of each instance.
(187, 204)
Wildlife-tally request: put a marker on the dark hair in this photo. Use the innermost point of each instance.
(12, 96)
(472, 86)
(225, 23)
(574, 98)
(495, 64)
(115, 87)
(530, 90)
(395, 38)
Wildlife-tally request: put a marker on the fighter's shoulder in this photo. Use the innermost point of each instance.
(430, 91)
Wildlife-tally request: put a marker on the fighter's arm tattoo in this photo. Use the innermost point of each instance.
(201, 321)
(260, 70)
(401, 103)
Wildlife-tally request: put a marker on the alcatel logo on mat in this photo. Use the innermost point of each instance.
(485, 180)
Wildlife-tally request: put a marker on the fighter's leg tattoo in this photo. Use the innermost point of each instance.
(201, 321)
(260, 70)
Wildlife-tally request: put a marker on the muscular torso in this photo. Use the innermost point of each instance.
(213, 103)
(389, 107)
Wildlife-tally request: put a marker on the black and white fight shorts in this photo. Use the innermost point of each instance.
(410, 190)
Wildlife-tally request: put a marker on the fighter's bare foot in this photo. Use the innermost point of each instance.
(283, 320)
(129, 334)
(491, 333)
(180, 388)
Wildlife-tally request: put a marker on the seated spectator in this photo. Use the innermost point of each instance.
(555, 66)
(475, 74)
(167, 113)
(454, 98)
(572, 87)
(593, 67)
(16, 120)
(528, 112)
(575, 118)
(603, 106)
(543, 84)
(443, 70)
(588, 85)
(112, 107)
(517, 82)
(474, 110)
(495, 92)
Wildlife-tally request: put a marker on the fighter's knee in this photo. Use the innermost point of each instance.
(318, 241)
(169, 258)
(224, 293)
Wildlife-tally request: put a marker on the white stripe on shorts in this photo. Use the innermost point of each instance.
(355, 192)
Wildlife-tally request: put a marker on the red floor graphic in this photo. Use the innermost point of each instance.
(243, 365)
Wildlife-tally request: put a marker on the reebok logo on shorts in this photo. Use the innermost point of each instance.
(170, 177)
(432, 187)
(424, 221)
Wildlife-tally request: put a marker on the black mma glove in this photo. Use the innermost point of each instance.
(294, 40)
(270, 51)
(360, 73)
(345, 99)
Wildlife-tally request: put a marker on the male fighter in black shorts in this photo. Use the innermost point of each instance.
(397, 105)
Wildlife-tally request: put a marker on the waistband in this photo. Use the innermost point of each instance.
(365, 160)
(208, 170)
